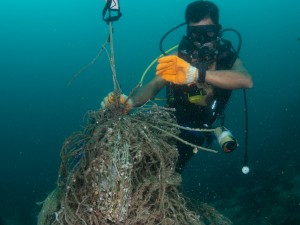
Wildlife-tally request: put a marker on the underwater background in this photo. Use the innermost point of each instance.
(44, 43)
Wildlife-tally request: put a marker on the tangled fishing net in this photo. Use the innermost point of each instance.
(121, 170)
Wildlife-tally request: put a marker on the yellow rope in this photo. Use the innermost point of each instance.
(152, 63)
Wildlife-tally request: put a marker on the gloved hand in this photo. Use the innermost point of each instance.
(110, 99)
(176, 70)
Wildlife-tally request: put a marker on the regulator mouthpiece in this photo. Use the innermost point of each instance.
(226, 140)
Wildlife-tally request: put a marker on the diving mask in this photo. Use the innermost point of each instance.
(203, 33)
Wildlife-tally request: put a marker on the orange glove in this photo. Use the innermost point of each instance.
(110, 99)
(176, 70)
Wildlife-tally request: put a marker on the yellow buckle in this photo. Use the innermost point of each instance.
(196, 99)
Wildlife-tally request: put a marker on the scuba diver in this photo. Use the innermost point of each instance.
(199, 80)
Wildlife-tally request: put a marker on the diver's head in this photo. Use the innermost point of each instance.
(203, 32)
(202, 18)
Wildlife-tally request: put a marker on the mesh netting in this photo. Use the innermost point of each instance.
(121, 170)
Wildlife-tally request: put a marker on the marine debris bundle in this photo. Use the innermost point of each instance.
(121, 170)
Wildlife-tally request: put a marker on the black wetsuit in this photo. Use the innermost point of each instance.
(192, 115)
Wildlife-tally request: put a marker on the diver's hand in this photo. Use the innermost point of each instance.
(110, 100)
(176, 70)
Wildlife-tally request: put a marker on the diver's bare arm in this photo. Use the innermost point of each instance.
(236, 78)
(148, 91)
